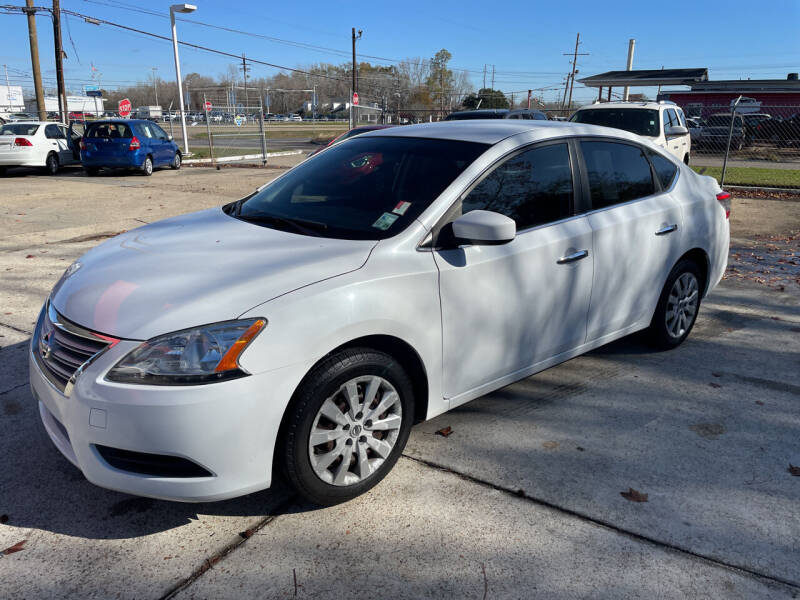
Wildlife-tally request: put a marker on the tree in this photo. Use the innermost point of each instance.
(485, 98)
(440, 80)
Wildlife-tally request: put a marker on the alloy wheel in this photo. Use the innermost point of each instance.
(355, 430)
(682, 304)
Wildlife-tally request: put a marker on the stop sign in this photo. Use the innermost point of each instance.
(207, 106)
(355, 98)
(124, 108)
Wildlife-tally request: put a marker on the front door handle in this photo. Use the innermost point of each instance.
(667, 229)
(569, 258)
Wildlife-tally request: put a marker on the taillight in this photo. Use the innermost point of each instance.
(22, 142)
(724, 199)
(135, 145)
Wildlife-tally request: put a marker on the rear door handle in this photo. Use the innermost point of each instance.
(667, 229)
(569, 258)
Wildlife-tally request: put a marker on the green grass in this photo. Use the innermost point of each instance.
(203, 152)
(755, 176)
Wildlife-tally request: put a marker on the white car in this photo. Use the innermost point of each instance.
(36, 144)
(294, 117)
(663, 123)
(382, 282)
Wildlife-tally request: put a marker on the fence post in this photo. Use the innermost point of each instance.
(261, 133)
(208, 129)
(728, 148)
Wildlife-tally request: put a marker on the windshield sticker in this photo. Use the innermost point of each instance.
(401, 208)
(385, 221)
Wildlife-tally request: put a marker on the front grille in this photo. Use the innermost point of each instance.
(156, 465)
(62, 347)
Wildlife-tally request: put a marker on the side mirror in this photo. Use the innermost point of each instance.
(676, 130)
(169, 137)
(483, 227)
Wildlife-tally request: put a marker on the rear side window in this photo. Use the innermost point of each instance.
(617, 173)
(533, 188)
(52, 132)
(108, 130)
(665, 169)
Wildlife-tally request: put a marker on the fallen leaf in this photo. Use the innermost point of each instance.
(633, 495)
(550, 445)
(15, 548)
(759, 402)
(794, 470)
(444, 432)
(579, 449)
(30, 256)
(714, 385)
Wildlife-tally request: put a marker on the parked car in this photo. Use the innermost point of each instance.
(718, 127)
(751, 123)
(351, 133)
(663, 123)
(295, 117)
(20, 116)
(781, 132)
(128, 144)
(79, 116)
(397, 275)
(526, 113)
(695, 125)
(35, 144)
(497, 113)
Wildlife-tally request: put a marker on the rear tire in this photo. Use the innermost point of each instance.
(51, 164)
(678, 305)
(176, 162)
(368, 433)
(147, 166)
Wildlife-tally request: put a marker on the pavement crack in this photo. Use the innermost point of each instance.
(17, 329)
(240, 539)
(778, 386)
(16, 387)
(668, 546)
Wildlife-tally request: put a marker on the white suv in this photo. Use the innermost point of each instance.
(663, 123)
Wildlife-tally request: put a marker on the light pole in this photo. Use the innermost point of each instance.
(181, 8)
(155, 82)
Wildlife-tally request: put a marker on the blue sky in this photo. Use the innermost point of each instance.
(524, 40)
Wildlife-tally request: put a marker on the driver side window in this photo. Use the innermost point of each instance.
(533, 188)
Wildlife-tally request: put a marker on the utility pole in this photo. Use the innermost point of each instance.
(353, 116)
(155, 83)
(529, 99)
(484, 75)
(62, 92)
(245, 68)
(631, 46)
(37, 74)
(575, 55)
(492, 76)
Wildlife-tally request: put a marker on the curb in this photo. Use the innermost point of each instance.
(224, 159)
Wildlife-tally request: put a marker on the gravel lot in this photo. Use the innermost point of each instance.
(533, 494)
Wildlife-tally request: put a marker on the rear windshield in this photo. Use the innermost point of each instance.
(108, 130)
(366, 188)
(636, 120)
(18, 129)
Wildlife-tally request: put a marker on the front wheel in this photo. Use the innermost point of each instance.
(677, 307)
(176, 162)
(147, 167)
(347, 425)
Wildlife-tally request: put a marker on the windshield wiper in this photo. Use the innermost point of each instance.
(299, 225)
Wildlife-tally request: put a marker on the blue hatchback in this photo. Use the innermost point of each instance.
(128, 144)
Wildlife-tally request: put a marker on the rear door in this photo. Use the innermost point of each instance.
(636, 226)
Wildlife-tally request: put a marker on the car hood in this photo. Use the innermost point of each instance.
(192, 270)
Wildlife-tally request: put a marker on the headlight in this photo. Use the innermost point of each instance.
(189, 357)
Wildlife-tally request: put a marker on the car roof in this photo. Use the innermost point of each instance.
(29, 122)
(643, 105)
(492, 131)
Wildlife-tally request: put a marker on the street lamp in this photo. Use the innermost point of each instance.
(181, 8)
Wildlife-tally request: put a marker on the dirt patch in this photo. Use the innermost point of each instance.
(710, 431)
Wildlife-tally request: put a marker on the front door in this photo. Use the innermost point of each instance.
(636, 225)
(507, 307)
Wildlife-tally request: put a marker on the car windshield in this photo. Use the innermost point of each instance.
(368, 188)
(636, 120)
(18, 129)
(108, 130)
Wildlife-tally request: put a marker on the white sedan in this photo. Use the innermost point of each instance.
(382, 282)
(36, 144)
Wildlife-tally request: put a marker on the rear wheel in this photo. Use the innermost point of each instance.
(176, 162)
(347, 425)
(147, 166)
(51, 164)
(677, 307)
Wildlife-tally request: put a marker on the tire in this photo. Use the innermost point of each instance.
(147, 166)
(681, 294)
(739, 144)
(686, 159)
(2, 171)
(176, 162)
(317, 472)
(91, 171)
(51, 164)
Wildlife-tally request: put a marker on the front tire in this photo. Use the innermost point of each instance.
(677, 307)
(176, 162)
(347, 425)
(51, 164)
(147, 166)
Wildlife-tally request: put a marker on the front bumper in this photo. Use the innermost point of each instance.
(228, 428)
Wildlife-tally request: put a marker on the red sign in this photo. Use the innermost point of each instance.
(124, 108)
(355, 98)
(207, 106)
